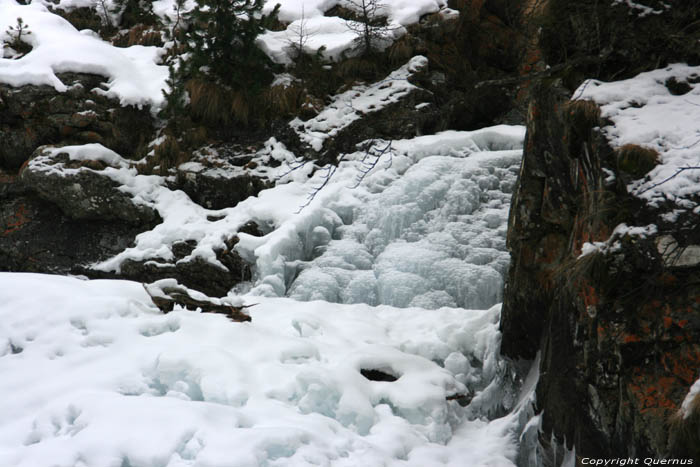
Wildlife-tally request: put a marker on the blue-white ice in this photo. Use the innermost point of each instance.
(433, 237)
(95, 376)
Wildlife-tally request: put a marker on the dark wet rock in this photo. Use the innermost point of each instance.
(31, 116)
(218, 191)
(195, 273)
(377, 375)
(403, 119)
(81, 18)
(36, 236)
(81, 189)
(251, 228)
(618, 329)
(223, 177)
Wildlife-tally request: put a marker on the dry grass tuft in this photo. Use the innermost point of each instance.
(684, 431)
(583, 114)
(210, 102)
(635, 160)
(358, 67)
(401, 50)
(284, 101)
(168, 154)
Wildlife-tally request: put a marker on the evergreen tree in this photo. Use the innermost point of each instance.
(132, 12)
(221, 43)
(175, 98)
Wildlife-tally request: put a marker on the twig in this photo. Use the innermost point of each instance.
(367, 164)
(544, 73)
(678, 172)
(371, 159)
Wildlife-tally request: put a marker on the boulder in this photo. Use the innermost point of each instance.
(224, 176)
(32, 116)
(82, 189)
(213, 280)
(35, 236)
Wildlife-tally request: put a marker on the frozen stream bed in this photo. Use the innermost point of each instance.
(401, 275)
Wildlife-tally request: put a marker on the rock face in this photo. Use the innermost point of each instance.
(81, 189)
(222, 177)
(32, 116)
(36, 236)
(195, 273)
(618, 329)
(617, 325)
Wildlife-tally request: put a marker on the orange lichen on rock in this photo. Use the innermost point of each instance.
(589, 295)
(16, 221)
(630, 338)
(653, 395)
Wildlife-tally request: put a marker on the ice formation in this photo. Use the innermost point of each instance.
(94, 375)
(433, 237)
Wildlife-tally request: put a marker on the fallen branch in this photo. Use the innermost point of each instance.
(166, 295)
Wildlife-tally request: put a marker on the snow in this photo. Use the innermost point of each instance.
(107, 380)
(433, 237)
(402, 12)
(358, 101)
(134, 76)
(332, 33)
(644, 112)
(429, 231)
(91, 152)
(686, 406)
(306, 18)
(640, 9)
(612, 244)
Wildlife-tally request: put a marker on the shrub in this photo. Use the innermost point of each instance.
(16, 34)
(636, 161)
(221, 43)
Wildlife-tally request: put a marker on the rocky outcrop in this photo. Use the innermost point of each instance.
(613, 311)
(36, 236)
(32, 116)
(194, 272)
(82, 189)
(618, 327)
(222, 177)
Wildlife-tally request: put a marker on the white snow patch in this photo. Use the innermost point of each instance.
(91, 152)
(645, 113)
(641, 10)
(133, 75)
(692, 394)
(94, 375)
(612, 244)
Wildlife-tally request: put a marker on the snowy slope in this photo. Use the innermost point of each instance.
(95, 376)
(134, 77)
(645, 112)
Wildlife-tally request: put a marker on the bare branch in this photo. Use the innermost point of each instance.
(678, 172)
(544, 73)
(296, 165)
(369, 161)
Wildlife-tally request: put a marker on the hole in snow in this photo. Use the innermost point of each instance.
(15, 349)
(378, 375)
